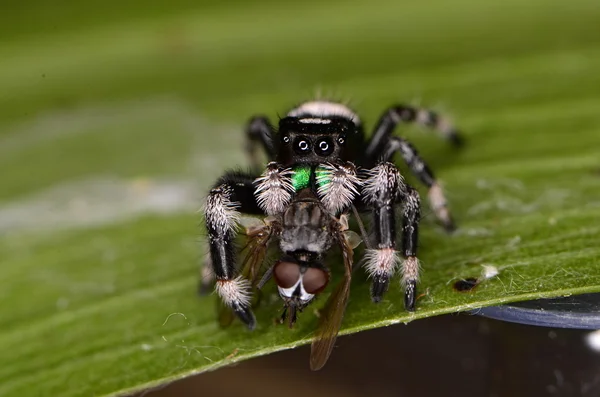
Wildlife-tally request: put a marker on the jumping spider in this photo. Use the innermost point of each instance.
(321, 167)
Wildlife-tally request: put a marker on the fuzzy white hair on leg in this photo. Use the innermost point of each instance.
(220, 212)
(436, 196)
(234, 292)
(338, 185)
(380, 262)
(446, 127)
(410, 270)
(412, 202)
(424, 116)
(324, 109)
(438, 203)
(442, 124)
(274, 189)
(383, 181)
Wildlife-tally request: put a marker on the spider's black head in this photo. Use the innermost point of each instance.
(313, 140)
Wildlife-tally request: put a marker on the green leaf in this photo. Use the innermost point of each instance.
(114, 123)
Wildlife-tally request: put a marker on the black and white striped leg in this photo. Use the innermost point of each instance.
(408, 114)
(259, 131)
(233, 193)
(421, 170)
(381, 189)
(410, 238)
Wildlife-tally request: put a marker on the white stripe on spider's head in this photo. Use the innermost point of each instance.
(324, 109)
(315, 121)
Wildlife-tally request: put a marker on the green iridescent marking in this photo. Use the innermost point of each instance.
(301, 178)
(323, 176)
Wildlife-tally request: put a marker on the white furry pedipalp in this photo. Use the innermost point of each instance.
(338, 185)
(274, 189)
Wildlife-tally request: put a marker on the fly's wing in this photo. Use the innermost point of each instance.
(258, 240)
(332, 315)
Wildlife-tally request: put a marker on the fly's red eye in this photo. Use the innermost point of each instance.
(286, 274)
(315, 280)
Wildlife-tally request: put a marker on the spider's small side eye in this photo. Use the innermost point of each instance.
(301, 145)
(341, 140)
(285, 139)
(324, 147)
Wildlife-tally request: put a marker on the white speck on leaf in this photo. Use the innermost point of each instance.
(489, 271)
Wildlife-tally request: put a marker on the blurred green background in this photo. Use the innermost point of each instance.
(115, 117)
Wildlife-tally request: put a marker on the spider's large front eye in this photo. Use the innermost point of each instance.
(301, 145)
(324, 147)
(315, 280)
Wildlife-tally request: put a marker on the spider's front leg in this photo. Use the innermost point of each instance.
(383, 189)
(234, 192)
(259, 131)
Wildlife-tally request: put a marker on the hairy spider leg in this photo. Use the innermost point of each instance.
(418, 166)
(232, 194)
(382, 146)
(259, 131)
(410, 238)
(383, 189)
(398, 114)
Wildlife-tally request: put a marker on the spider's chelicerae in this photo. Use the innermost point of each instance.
(322, 169)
